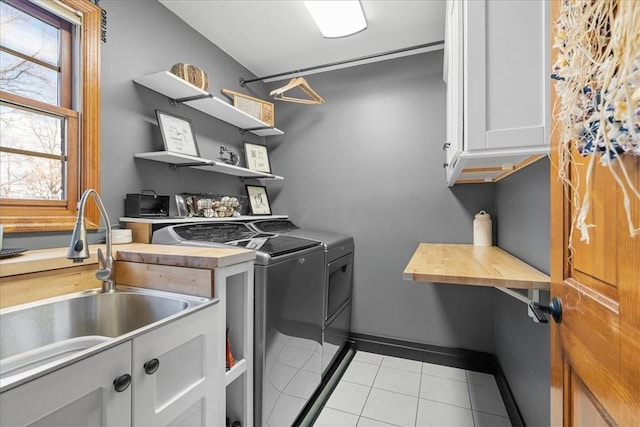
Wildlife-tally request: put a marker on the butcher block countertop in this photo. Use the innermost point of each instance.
(466, 264)
(40, 260)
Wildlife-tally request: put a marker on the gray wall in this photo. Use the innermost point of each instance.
(368, 163)
(144, 37)
(522, 346)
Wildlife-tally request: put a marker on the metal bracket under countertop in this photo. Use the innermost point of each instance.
(533, 297)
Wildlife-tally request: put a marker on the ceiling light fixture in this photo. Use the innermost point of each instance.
(337, 18)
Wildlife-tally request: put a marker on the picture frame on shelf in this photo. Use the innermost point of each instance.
(177, 134)
(257, 157)
(258, 200)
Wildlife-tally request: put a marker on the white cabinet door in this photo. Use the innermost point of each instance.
(182, 383)
(82, 394)
(497, 87)
(517, 73)
(453, 77)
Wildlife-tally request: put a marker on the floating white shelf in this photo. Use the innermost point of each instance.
(204, 164)
(183, 220)
(174, 87)
(238, 369)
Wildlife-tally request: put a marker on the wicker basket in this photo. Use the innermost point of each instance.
(207, 205)
(192, 74)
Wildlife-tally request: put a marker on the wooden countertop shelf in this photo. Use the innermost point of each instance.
(45, 273)
(42, 260)
(466, 264)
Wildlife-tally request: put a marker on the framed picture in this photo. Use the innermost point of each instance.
(257, 157)
(258, 200)
(177, 134)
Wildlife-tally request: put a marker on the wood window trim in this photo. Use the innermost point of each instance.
(24, 216)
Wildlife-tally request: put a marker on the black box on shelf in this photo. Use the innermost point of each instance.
(146, 206)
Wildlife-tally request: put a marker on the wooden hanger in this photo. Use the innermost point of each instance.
(302, 84)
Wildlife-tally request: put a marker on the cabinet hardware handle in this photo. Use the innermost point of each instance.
(151, 366)
(122, 383)
(446, 145)
(554, 308)
(445, 165)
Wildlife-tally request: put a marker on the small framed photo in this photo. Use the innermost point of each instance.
(257, 157)
(177, 134)
(258, 200)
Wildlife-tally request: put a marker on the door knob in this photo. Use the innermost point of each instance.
(537, 310)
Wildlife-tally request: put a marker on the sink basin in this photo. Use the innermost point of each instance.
(37, 334)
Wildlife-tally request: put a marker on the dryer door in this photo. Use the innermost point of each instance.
(339, 282)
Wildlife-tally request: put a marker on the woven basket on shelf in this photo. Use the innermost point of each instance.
(192, 74)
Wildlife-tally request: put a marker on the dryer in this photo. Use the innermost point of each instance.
(337, 282)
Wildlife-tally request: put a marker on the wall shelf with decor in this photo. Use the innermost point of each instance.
(184, 92)
(183, 160)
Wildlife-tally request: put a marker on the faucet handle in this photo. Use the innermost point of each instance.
(101, 259)
(105, 261)
(105, 272)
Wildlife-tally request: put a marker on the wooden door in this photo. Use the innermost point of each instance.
(595, 349)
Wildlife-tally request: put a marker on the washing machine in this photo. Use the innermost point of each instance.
(289, 312)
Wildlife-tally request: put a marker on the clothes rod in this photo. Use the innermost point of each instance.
(338, 63)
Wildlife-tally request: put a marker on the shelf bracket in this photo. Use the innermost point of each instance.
(257, 178)
(177, 101)
(533, 295)
(174, 166)
(532, 299)
(242, 131)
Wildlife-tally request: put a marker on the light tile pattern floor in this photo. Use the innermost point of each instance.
(378, 390)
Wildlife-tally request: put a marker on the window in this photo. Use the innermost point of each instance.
(49, 112)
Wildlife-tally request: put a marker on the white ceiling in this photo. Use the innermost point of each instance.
(276, 36)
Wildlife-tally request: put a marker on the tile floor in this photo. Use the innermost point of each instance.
(378, 390)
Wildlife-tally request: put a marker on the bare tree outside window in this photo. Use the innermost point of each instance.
(31, 176)
(33, 143)
(49, 112)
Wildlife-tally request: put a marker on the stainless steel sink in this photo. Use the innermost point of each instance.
(41, 333)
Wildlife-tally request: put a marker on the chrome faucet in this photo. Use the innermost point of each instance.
(79, 248)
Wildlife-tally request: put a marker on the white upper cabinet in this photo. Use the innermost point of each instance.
(496, 67)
